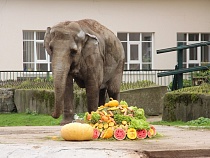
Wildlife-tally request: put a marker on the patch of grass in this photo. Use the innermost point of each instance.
(200, 122)
(21, 119)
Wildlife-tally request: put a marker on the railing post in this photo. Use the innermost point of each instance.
(180, 66)
(48, 75)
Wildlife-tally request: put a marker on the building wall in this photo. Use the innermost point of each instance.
(163, 17)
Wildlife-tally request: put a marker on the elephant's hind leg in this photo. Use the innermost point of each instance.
(114, 89)
(102, 96)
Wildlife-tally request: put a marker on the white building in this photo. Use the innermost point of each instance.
(143, 26)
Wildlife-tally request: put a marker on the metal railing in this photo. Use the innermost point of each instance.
(179, 70)
(128, 76)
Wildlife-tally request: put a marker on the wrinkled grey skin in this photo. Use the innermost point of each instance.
(89, 53)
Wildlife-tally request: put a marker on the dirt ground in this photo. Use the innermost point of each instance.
(45, 141)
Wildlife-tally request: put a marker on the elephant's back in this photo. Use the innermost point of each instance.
(94, 26)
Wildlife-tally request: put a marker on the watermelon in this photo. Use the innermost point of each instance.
(151, 132)
(153, 129)
(141, 134)
(119, 134)
(96, 133)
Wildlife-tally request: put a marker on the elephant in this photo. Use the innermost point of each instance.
(88, 53)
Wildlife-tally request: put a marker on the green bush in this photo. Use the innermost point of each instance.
(186, 83)
(135, 85)
(43, 84)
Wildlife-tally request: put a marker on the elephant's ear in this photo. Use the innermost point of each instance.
(91, 45)
(92, 36)
(47, 40)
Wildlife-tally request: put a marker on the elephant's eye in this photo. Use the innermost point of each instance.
(73, 52)
(51, 47)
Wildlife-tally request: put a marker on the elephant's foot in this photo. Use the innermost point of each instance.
(63, 122)
(67, 118)
(56, 115)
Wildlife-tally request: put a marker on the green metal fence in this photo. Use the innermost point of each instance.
(179, 70)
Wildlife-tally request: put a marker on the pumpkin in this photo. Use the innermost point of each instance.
(77, 131)
(113, 103)
(131, 133)
(108, 133)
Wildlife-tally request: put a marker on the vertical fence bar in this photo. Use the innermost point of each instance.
(180, 65)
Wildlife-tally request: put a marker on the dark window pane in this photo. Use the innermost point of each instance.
(41, 55)
(134, 36)
(146, 36)
(50, 67)
(193, 36)
(28, 67)
(181, 43)
(40, 35)
(125, 49)
(134, 55)
(122, 36)
(41, 67)
(125, 67)
(27, 35)
(184, 66)
(181, 36)
(193, 54)
(146, 52)
(146, 66)
(28, 51)
(134, 66)
(205, 54)
(193, 65)
(205, 37)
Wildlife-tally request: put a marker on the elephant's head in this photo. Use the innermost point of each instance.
(64, 43)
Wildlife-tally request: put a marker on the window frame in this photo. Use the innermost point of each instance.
(188, 42)
(35, 55)
(140, 55)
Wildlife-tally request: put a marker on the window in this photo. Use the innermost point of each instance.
(138, 50)
(194, 56)
(35, 58)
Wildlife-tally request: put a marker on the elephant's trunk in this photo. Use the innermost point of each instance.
(60, 74)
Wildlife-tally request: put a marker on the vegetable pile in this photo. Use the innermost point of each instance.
(119, 121)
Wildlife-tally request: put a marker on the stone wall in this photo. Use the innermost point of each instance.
(38, 101)
(7, 100)
(185, 106)
(42, 101)
(150, 99)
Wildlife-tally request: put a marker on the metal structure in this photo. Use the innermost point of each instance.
(179, 70)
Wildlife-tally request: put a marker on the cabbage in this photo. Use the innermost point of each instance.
(119, 118)
(139, 124)
(95, 117)
(138, 112)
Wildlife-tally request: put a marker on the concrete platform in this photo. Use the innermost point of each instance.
(39, 142)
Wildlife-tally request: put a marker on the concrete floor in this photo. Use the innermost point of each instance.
(44, 142)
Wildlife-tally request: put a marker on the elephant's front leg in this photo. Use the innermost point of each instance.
(68, 110)
(92, 93)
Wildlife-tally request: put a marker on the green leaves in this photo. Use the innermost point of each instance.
(139, 124)
(201, 121)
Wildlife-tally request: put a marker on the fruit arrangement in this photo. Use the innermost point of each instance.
(119, 121)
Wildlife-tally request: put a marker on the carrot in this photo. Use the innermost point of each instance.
(111, 114)
(104, 118)
(101, 113)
